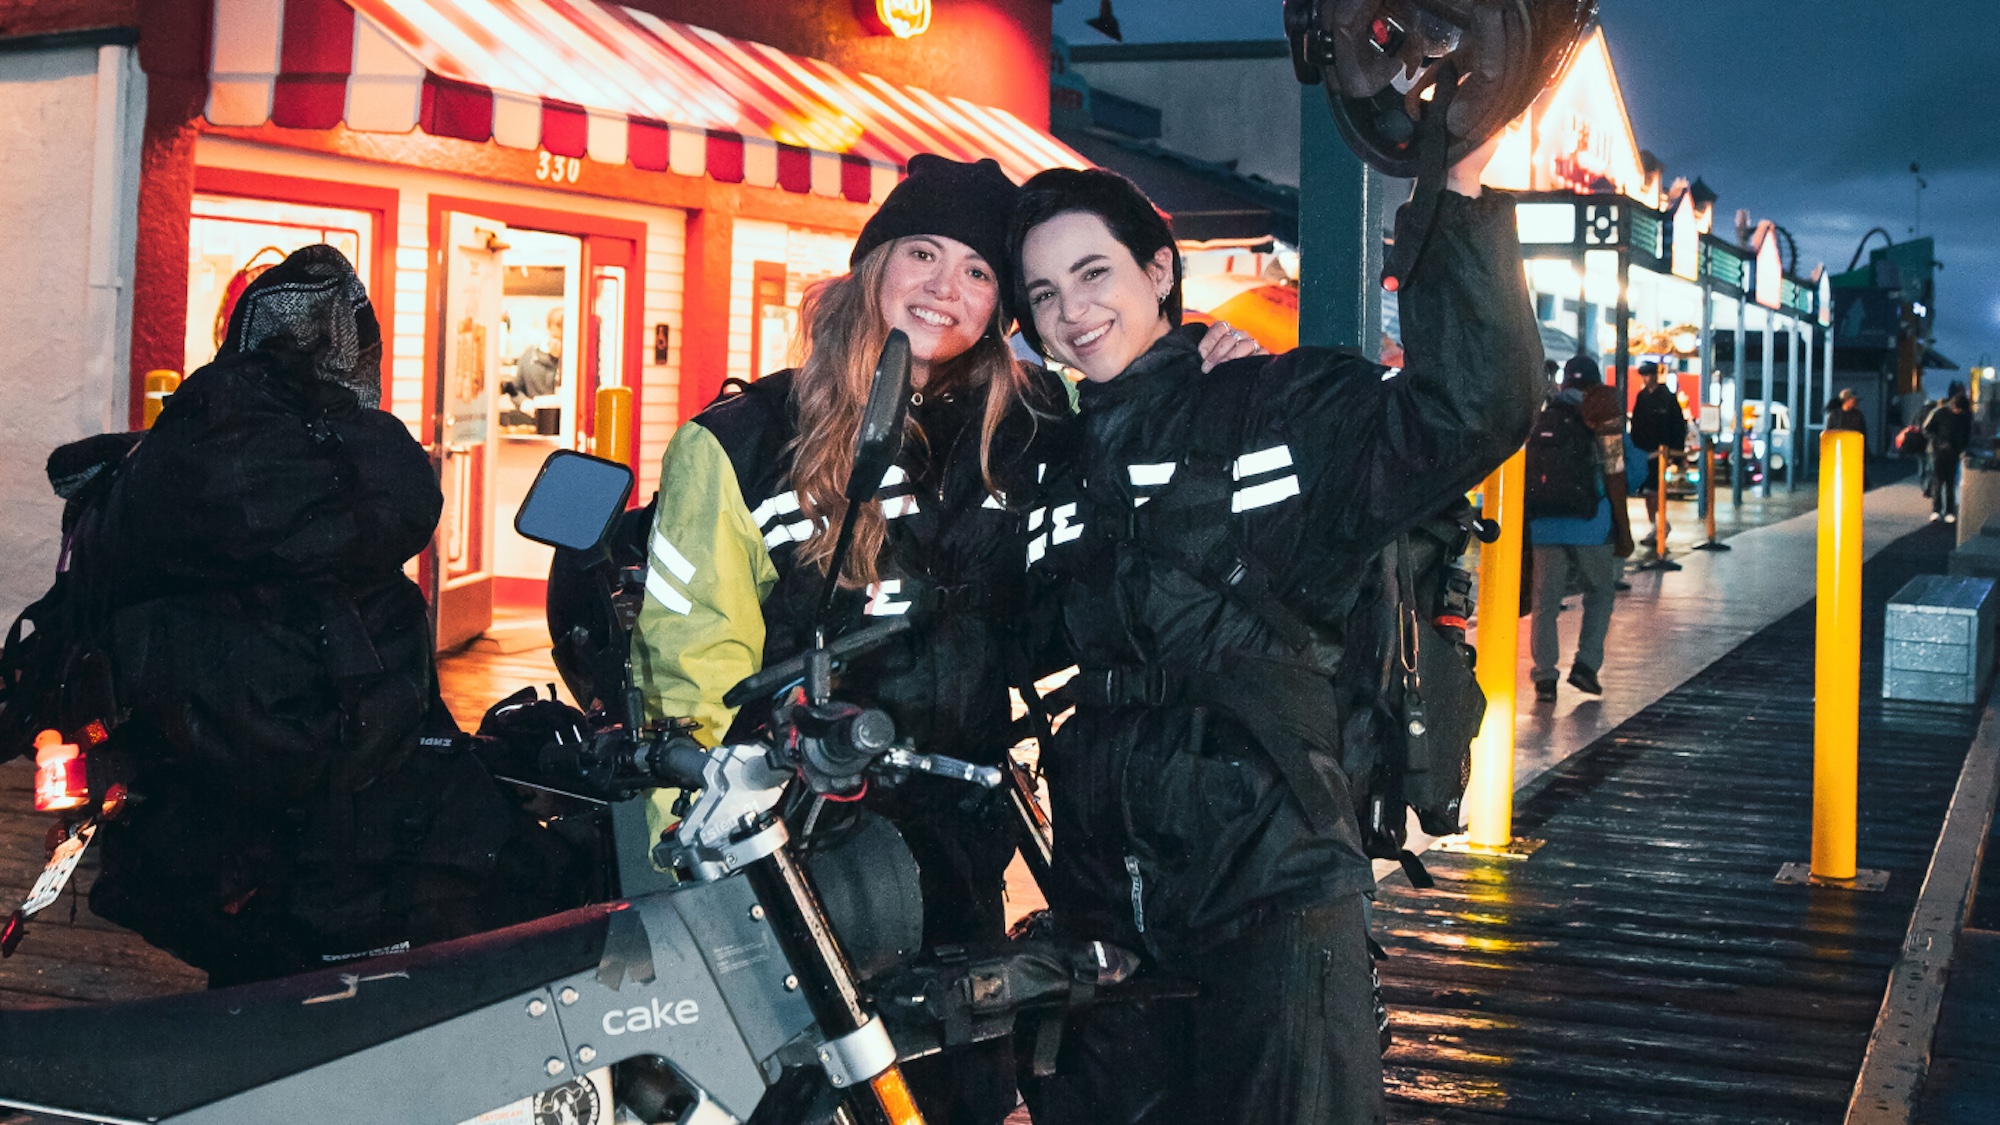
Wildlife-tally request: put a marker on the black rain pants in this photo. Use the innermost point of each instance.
(1283, 1033)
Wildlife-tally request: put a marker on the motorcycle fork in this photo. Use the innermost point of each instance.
(793, 909)
(1038, 851)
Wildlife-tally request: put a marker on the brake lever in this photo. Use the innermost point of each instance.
(988, 777)
(764, 683)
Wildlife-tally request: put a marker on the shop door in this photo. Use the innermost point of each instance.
(464, 425)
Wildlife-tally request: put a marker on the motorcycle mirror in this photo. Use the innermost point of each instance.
(573, 501)
(877, 444)
(880, 439)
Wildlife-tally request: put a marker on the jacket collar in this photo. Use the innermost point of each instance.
(1160, 368)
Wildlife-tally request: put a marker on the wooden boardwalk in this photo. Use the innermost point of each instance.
(1643, 966)
(1963, 1086)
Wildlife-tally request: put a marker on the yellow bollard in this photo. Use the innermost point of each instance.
(1837, 659)
(1489, 798)
(613, 439)
(159, 384)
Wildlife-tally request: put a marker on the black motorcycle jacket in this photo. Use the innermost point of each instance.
(729, 523)
(726, 594)
(1198, 788)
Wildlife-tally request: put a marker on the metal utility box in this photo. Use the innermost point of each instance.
(1938, 640)
(1978, 556)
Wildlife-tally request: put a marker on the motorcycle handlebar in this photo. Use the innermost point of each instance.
(769, 680)
(845, 744)
(678, 762)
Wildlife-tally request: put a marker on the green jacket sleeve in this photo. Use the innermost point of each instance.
(707, 573)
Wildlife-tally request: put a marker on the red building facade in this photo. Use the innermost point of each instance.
(609, 195)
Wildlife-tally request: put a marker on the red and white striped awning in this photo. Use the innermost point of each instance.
(582, 78)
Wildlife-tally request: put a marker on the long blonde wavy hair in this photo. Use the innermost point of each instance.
(844, 332)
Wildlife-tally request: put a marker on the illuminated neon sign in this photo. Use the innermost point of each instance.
(900, 18)
(1582, 135)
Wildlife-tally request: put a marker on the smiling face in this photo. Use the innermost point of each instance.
(1096, 307)
(942, 294)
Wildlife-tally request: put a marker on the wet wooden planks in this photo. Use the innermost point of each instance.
(1643, 966)
(69, 956)
(1963, 1084)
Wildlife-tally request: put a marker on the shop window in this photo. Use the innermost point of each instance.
(232, 240)
(774, 320)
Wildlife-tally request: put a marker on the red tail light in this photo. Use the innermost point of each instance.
(60, 782)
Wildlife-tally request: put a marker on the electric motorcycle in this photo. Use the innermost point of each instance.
(777, 981)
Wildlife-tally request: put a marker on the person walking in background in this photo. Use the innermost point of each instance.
(1950, 429)
(1657, 424)
(1577, 484)
(1844, 412)
(1604, 413)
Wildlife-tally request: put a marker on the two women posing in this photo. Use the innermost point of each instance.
(1179, 828)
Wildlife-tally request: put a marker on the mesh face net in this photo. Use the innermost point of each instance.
(313, 302)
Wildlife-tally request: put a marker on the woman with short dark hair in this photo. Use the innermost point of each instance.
(1200, 552)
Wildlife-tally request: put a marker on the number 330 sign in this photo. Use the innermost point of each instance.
(557, 169)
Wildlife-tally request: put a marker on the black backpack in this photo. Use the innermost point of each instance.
(53, 670)
(1411, 704)
(1563, 478)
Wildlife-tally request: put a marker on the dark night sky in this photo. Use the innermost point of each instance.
(1806, 113)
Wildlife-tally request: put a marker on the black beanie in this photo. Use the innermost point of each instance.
(967, 202)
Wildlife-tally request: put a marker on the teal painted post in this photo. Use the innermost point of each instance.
(1340, 247)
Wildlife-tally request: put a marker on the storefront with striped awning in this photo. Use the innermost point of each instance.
(548, 197)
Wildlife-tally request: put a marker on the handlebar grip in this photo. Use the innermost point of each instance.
(678, 762)
(853, 743)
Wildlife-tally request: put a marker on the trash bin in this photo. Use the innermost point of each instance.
(1978, 495)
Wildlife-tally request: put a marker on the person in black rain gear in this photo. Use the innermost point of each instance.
(1202, 551)
(1657, 424)
(304, 797)
(1950, 431)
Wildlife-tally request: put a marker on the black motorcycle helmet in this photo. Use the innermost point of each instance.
(1377, 57)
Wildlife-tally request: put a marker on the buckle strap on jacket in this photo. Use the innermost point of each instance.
(1124, 685)
(929, 599)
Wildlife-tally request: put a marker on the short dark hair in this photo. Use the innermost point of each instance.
(1126, 212)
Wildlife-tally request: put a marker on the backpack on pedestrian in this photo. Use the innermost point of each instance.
(1912, 441)
(1563, 480)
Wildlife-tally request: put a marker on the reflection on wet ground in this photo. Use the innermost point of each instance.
(1642, 965)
